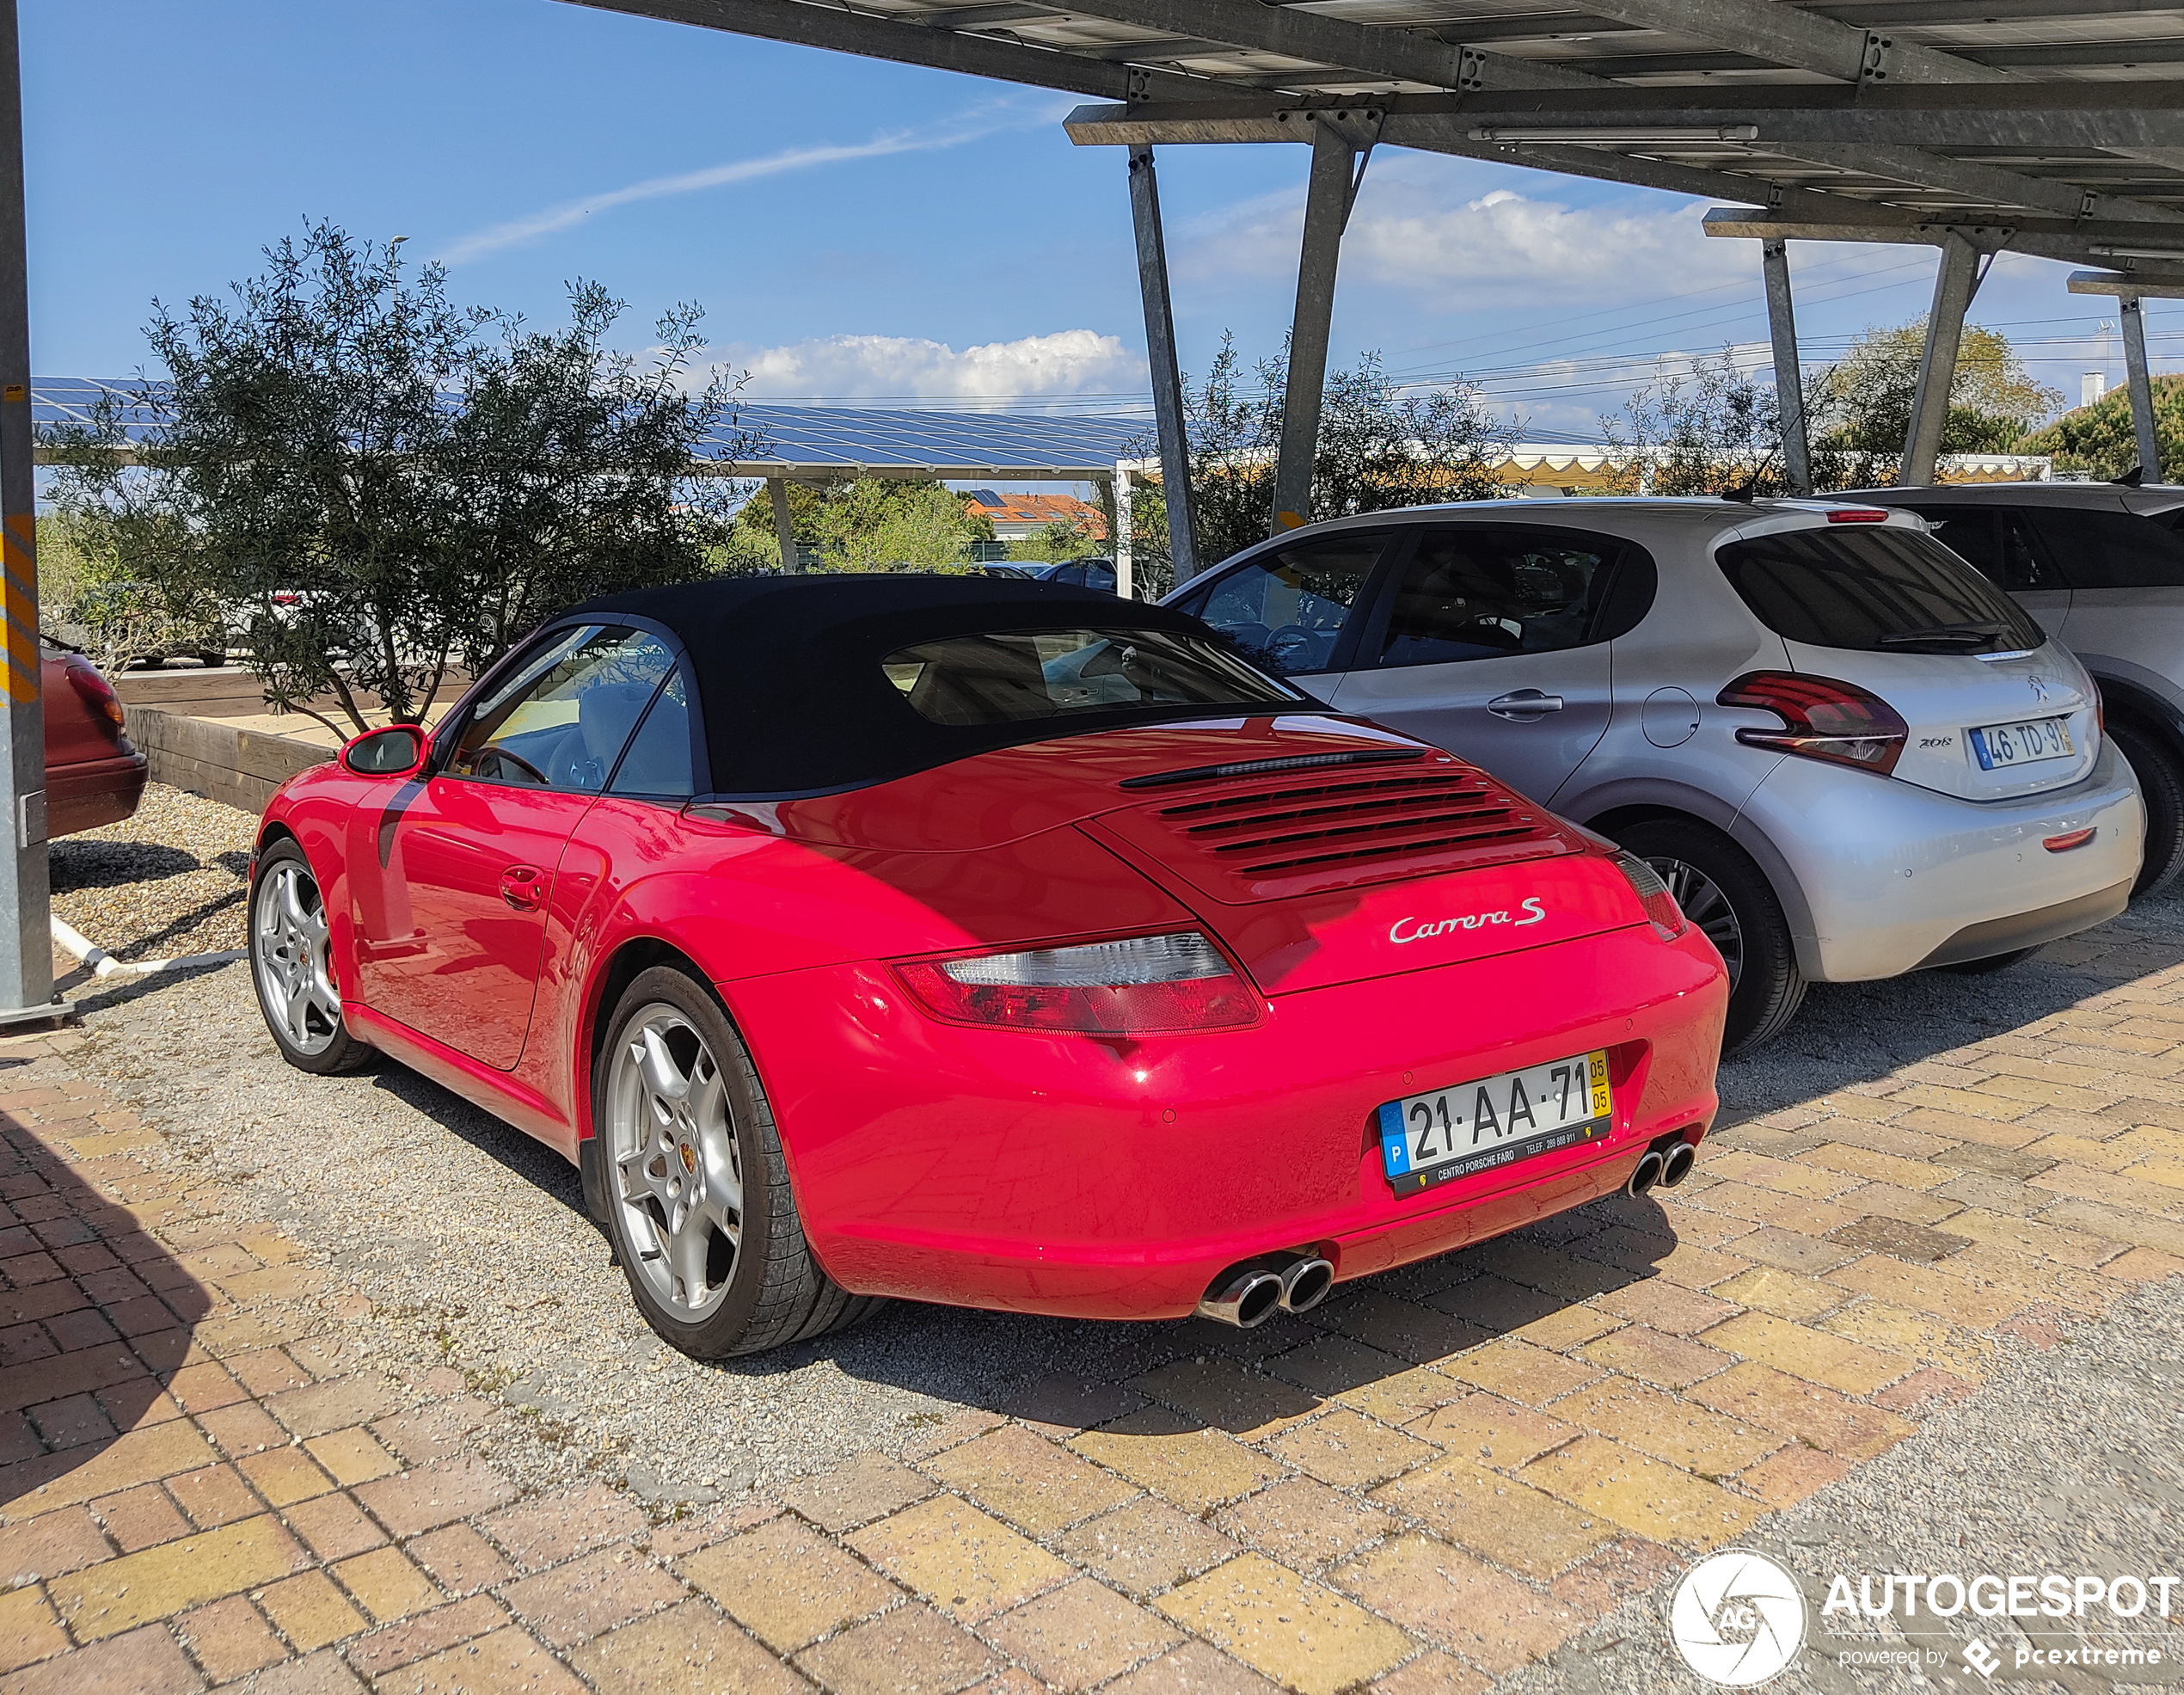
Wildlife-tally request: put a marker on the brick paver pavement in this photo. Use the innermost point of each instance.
(1443, 1475)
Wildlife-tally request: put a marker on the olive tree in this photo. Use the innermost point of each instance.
(376, 485)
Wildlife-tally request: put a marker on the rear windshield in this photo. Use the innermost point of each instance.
(1889, 591)
(1012, 677)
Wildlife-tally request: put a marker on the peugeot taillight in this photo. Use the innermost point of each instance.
(98, 694)
(1141, 984)
(1822, 719)
(1653, 894)
(1857, 515)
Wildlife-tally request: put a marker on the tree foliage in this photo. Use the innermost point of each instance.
(1861, 406)
(865, 524)
(1378, 448)
(377, 485)
(2103, 440)
(1708, 430)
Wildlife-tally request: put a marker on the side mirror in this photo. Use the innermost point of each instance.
(396, 751)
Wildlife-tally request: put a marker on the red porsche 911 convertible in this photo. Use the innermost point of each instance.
(999, 944)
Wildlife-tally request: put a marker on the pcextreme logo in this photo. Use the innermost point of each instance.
(1737, 1617)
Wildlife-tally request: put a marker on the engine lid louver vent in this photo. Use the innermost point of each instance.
(1272, 840)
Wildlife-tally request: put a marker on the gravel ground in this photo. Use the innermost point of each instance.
(2069, 1461)
(471, 1241)
(169, 880)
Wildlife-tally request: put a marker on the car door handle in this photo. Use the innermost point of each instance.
(520, 887)
(1524, 705)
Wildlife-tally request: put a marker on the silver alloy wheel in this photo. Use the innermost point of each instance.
(1706, 905)
(288, 951)
(678, 1168)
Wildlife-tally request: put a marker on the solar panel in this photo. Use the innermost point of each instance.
(791, 441)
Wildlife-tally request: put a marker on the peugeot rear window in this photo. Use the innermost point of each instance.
(1875, 589)
(1010, 677)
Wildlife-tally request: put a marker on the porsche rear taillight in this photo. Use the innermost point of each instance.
(98, 694)
(1653, 894)
(1822, 719)
(1143, 985)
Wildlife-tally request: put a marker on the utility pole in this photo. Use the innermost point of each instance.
(26, 932)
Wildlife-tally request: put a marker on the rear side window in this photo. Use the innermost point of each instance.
(1284, 611)
(1482, 592)
(2111, 549)
(1015, 676)
(1874, 589)
(1995, 542)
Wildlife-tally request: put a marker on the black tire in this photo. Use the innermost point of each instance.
(286, 952)
(2161, 785)
(1727, 895)
(771, 1290)
(1993, 963)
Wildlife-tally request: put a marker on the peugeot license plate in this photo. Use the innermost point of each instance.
(1451, 1133)
(1999, 746)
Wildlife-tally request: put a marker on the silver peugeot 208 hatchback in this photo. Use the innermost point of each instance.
(1847, 753)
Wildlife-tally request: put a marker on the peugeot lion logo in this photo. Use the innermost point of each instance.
(2039, 685)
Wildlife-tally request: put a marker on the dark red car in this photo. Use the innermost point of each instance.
(1002, 944)
(92, 775)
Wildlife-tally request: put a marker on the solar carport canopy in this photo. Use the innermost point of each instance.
(2054, 127)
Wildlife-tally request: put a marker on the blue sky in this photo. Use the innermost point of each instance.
(855, 229)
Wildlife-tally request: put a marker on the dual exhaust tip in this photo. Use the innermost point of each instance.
(1663, 1165)
(1249, 1297)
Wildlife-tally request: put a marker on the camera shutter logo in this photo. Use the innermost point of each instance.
(1737, 1617)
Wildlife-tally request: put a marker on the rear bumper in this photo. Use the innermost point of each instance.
(92, 792)
(1115, 1179)
(1893, 874)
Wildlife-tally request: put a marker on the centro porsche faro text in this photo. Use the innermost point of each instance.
(1469, 921)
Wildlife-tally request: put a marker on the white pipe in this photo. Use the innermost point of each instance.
(104, 964)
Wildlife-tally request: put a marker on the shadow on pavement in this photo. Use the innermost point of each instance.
(95, 1319)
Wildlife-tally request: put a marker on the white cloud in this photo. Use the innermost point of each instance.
(1502, 249)
(1068, 361)
(968, 127)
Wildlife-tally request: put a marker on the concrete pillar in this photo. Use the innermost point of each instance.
(1327, 209)
(784, 526)
(1955, 281)
(2142, 387)
(1160, 354)
(1789, 377)
(1126, 581)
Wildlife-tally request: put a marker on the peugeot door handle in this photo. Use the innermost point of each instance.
(1524, 705)
(520, 887)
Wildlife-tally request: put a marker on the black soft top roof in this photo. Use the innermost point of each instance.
(790, 684)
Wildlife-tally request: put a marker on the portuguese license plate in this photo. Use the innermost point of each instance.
(1997, 747)
(1451, 1133)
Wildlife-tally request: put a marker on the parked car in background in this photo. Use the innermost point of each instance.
(1847, 754)
(2101, 567)
(93, 774)
(1124, 988)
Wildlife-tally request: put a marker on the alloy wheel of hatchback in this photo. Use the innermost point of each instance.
(675, 1167)
(1703, 902)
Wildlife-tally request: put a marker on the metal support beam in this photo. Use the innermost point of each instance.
(784, 526)
(2142, 388)
(2042, 240)
(1167, 376)
(872, 36)
(1954, 283)
(1777, 35)
(1332, 190)
(26, 921)
(1789, 377)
